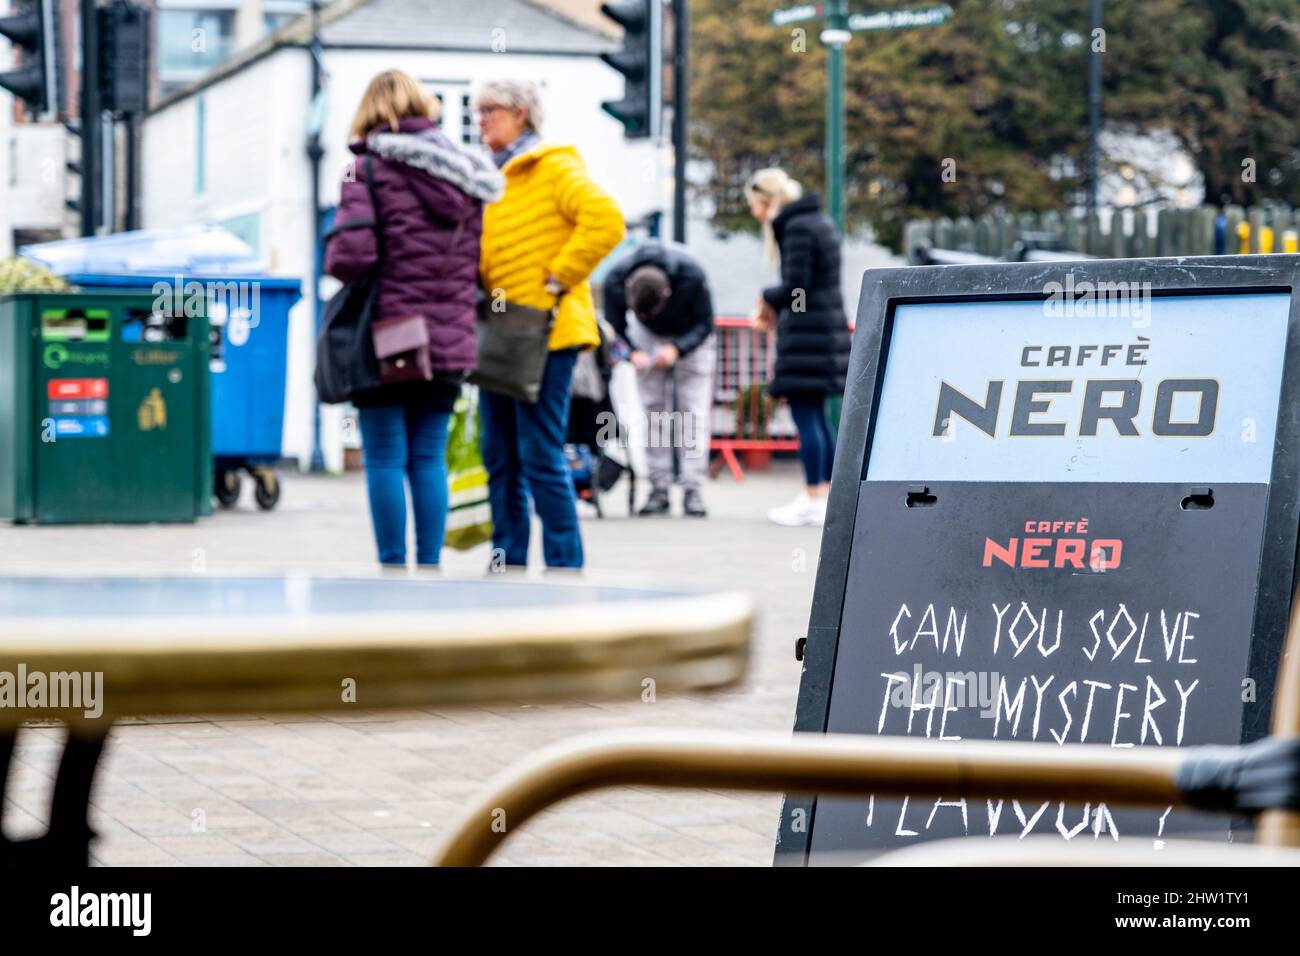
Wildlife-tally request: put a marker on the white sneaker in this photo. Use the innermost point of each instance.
(803, 510)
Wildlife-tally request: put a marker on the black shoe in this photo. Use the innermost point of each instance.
(657, 504)
(693, 504)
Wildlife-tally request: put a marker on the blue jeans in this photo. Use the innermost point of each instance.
(523, 452)
(816, 443)
(406, 443)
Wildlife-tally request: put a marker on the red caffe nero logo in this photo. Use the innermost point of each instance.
(1055, 544)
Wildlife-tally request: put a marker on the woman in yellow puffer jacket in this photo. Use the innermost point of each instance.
(541, 240)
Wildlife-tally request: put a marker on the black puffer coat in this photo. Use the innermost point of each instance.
(812, 334)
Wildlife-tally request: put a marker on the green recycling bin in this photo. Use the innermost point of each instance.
(103, 409)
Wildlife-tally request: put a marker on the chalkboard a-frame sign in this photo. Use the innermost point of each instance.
(1064, 508)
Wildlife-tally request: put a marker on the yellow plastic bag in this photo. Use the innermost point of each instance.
(469, 516)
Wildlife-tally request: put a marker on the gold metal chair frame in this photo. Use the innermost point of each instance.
(860, 765)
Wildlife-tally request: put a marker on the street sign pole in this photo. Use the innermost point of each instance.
(835, 36)
(837, 33)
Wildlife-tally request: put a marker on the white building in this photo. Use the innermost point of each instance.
(231, 148)
(193, 37)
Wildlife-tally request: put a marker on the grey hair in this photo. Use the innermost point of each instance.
(513, 94)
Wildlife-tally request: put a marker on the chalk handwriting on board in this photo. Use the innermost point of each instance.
(1121, 712)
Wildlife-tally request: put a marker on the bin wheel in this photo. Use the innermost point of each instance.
(227, 488)
(267, 488)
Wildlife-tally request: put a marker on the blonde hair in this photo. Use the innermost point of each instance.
(514, 95)
(393, 96)
(775, 187)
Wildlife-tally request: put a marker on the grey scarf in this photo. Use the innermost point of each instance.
(525, 142)
(436, 154)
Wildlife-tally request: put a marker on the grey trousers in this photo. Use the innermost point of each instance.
(679, 406)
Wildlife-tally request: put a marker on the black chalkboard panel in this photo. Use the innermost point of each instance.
(1055, 520)
(946, 646)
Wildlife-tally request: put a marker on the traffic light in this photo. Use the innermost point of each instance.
(640, 60)
(33, 31)
(123, 57)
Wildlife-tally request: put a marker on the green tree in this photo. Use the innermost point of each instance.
(1241, 121)
(990, 109)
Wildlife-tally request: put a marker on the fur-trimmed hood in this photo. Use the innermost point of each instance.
(433, 152)
(411, 214)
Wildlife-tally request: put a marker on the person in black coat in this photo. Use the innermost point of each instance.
(812, 332)
(670, 336)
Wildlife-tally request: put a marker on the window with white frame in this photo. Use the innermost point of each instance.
(459, 121)
(469, 132)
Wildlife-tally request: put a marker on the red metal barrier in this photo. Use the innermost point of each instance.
(745, 419)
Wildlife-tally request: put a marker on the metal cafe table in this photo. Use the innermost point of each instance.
(220, 645)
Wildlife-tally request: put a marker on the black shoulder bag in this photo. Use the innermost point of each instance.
(345, 351)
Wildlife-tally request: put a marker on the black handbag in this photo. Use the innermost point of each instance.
(513, 345)
(345, 350)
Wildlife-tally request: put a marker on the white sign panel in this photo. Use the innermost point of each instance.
(1113, 386)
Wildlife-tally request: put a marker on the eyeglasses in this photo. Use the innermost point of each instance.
(488, 110)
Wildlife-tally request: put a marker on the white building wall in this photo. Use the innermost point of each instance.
(34, 170)
(239, 155)
(572, 90)
(10, 190)
(256, 165)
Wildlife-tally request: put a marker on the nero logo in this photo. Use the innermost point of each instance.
(1055, 544)
(1047, 408)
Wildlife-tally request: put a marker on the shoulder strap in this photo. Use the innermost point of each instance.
(369, 168)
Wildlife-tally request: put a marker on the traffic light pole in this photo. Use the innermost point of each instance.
(132, 172)
(681, 97)
(90, 119)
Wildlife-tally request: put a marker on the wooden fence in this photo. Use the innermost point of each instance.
(1200, 231)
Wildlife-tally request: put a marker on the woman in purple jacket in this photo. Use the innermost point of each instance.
(430, 192)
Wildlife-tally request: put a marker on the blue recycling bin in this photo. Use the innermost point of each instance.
(250, 341)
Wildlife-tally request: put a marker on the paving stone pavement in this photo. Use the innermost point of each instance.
(382, 788)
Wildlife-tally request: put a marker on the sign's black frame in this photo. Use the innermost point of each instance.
(883, 290)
